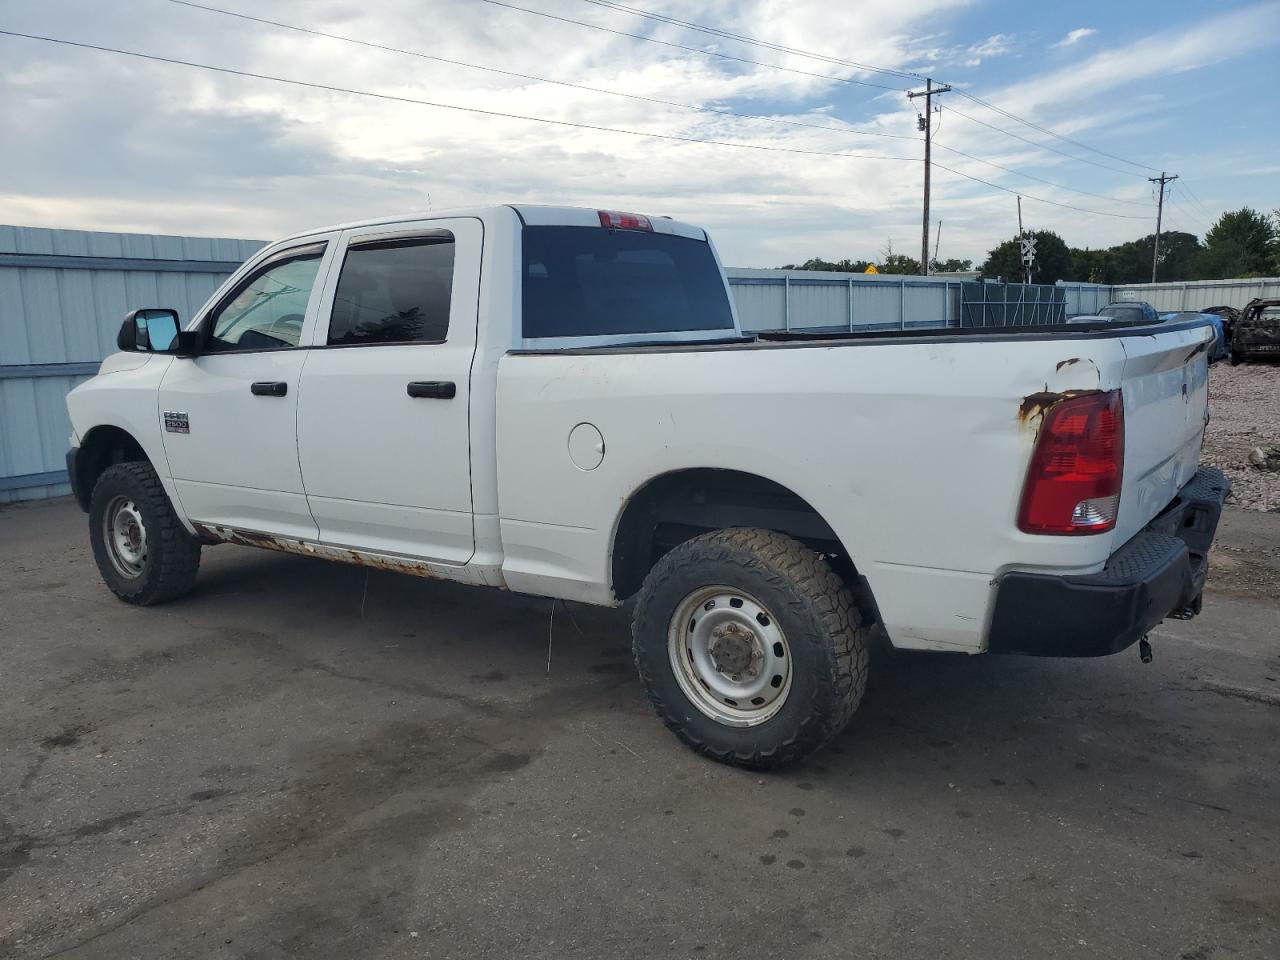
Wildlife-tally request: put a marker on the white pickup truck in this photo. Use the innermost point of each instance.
(560, 401)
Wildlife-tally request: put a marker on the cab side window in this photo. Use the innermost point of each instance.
(394, 291)
(267, 309)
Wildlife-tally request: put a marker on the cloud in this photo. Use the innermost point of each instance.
(1075, 36)
(995, 45)
(102, 142)
(1206, 41)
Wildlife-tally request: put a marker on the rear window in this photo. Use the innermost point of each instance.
(589, 281)
(1127, 314)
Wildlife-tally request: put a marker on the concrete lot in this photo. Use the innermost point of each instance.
(292, 762)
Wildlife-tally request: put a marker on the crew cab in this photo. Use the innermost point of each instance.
(561, 402)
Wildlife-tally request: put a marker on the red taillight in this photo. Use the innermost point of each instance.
(624, 221)
(1073, 483)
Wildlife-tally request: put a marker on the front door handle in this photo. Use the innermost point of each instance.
(269, 388)
(433, 389)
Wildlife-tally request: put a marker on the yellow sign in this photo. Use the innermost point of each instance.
(871, 268)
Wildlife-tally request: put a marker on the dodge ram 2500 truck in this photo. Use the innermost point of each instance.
(560, 402)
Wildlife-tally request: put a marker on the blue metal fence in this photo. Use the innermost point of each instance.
(63, 294)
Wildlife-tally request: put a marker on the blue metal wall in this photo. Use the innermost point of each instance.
(63, 294)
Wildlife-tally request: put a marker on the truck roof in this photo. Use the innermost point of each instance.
(530, 214)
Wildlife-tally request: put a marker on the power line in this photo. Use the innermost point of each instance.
(698, 50)
(1038, 145)
(1027, 196)
(1191, 194)
(1052, 133)
(1032, 176)
(537, 79)
(1189, 214)
(332, 88)
(1186, 217)
(630, 96)
(754, 41)
(797, 51)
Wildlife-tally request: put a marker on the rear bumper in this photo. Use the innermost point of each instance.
(1157, 574)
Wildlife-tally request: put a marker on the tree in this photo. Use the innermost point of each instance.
(1131, 262)
(1275, 257)
(950, 266)
(896, 263)
(1241, 244)
(836, 266)
(1093, 266)
(1053, 259)
(899, 263)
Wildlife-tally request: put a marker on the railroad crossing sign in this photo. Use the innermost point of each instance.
(1028, 250)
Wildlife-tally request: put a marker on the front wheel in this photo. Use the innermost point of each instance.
(750, 647)
(143, 552)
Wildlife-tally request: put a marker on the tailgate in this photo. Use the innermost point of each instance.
(1166, 397)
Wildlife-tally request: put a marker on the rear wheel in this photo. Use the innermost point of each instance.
(143, 552)
(750, 647)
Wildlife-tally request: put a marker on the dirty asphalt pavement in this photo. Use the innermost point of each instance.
(293, 761)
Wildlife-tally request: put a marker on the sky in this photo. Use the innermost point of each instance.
(99, 141)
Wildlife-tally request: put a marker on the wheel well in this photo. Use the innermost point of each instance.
(679, 506)
(103, 447)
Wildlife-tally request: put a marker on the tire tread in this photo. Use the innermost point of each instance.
(176, 552)
(791, 567)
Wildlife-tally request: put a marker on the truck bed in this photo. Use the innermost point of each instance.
(912, 445)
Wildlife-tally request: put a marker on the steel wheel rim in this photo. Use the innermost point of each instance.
(729, 656)
(125, 536)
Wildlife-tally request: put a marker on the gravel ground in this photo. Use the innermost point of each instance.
(1244, 403)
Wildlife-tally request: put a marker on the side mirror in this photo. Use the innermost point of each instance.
(157, 330)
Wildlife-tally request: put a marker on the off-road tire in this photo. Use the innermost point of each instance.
(827, 638)
(173, 554)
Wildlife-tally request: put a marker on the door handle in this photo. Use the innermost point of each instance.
(269, 388)
(433, 389)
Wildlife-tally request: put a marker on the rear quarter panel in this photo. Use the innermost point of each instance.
(913, 452)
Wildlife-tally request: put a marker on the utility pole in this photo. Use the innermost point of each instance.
(937, 242)
(1026, 271)
(925, 125)
(1162, 180)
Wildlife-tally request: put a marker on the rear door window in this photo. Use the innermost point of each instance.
(394, 291)
(589, 281)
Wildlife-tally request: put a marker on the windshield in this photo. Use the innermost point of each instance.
(590, 281)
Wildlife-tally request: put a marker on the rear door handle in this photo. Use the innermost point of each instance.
(269, 388)
(433, 389)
